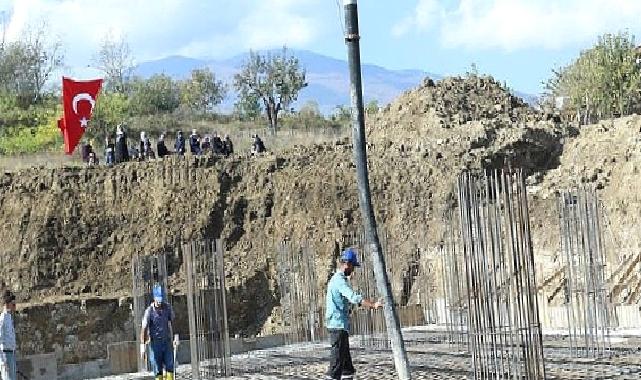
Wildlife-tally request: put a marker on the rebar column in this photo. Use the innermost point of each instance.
(453, 276)
(367, 325)
(505, 337)
(207, 309)
(587, 299)
(302, 314)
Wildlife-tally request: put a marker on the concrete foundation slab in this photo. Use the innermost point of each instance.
(38, 367)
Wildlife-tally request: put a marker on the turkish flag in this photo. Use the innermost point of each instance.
(78, 103)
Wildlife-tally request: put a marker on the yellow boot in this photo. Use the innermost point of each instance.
(159, 377)
(169, 376)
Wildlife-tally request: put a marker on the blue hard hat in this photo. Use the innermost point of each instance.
(158, 293)
(349, 256)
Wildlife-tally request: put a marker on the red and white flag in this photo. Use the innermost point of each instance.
(78, 102)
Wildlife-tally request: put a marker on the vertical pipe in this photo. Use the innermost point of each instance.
(360, 156)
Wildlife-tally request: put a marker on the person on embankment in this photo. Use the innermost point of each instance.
(339, 297)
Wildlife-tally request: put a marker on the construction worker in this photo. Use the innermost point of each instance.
(157, 331)
(8, 338)
(339, 297)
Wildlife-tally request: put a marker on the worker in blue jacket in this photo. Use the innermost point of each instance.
(339, 297)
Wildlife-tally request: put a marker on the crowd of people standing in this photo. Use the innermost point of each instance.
(118, 149)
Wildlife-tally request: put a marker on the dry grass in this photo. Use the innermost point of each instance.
(241, 137)
(48, 160)
(283, 140)
(286, 138)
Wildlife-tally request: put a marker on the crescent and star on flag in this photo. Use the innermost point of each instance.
(83, 96)
(76, 95)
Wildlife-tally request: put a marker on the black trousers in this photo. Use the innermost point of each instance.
(340, 362)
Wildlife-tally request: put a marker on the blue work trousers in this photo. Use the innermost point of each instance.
(7, 365)
(162, 356)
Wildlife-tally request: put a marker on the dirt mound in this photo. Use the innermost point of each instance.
(456, 101)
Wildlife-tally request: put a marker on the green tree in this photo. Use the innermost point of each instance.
(372, 107)
(274, 79)
(111, 109)
(247, 108)
(202, 92)
(604, 81)
(158, 94)
(310, 115)
(342, 114)
(115, 60)
(310, 109)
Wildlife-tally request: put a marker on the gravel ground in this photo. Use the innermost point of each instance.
(429, 359)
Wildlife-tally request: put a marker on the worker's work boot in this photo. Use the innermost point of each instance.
(169, 376)
(159, 377)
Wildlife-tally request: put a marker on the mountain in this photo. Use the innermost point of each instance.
(530, 99)
(328, 77)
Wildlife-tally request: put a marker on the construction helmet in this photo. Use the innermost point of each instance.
(158, 293)
(349, 256)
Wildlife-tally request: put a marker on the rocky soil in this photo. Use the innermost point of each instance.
(71, 233)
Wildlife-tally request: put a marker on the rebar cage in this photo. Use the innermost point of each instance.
(208, 331)
(426, 284)
(303, 316)
(367, 325)
(587, 299)
(454, 285)
(505, 337)
(147, 270)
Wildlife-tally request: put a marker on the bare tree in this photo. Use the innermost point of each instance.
(26, 65)
(46, 56)
(3, 21)
(116, 62)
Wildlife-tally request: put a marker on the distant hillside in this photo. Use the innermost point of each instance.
(327, 77)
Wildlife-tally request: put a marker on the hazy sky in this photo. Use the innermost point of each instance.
(518, 41)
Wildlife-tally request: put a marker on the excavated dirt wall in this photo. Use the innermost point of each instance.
(72, 233)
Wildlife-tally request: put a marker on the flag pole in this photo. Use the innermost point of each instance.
(392, 323)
